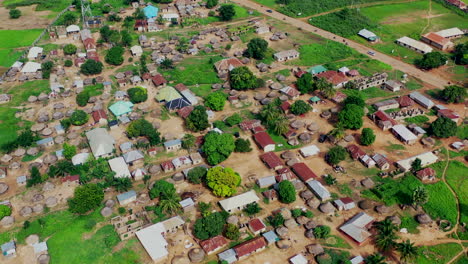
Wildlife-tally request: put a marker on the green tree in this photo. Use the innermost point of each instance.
(69, 49)
(216, 101)
(322, 231)
(197, 119)
(218, 147)
(197, 175)
(69, 18)
(121, 184)
(232, 231)
(126, 38)
(227, 12)
(367, 136)
(68, 63)
(86, 198)
(355, 100)
(26, 138)
(351, 117)
(242, 145)
(386, 235)
(287, 192)
(375, 259)
(188, 141)
(329, 179)
(46, 68)
(204, 208)
(416, 165)
(420, 196)
(233, 120)
(274, 119)
(91, 67)
(142, 127)
(252, 209)
(407, 250)
(15, 13)
(170, 203)
(241, 78)
(82, 98)
(325, 87)
(454, 94)
(211, 3)
(209, 226)
(460, 54)
(256, 48)
(443, 127)
(431, 60)
(5, 210)
(305, 83)
(69, 151)
(276, 220)
(336, 154)
(114, 55)
(223, 181)
(300, 107)
(137, 94)
(167, 64)
(79, 118)
(161, 189)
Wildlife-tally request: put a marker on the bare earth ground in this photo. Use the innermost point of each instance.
(28, 20)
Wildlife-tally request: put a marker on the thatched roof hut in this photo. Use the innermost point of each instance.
(280, 77)
(306, 195)
(424, 219)
(305, 137)
(14, 166)
(288, 155)
(59, 139)
(51, 201)
(7, 221)
(282, 231)
(106, 211)
(284, 244)
(395, 220)
(3, 187)
(309, 233)
(365, 204)
(315, 249)
(19, 152)
(32, 151)
(367, 183)
(349, 138)
(72, 135)
(46, 131)
(196, 255)
(296, 124)
(48, 186)
(38, 208)
(290, 223)
(259, 96)
(26, 211)
(32, 99)
(326, 114)
(327, 208)
(265, 101)
(276, 86)
(273, 94)
(50, 159)
(43, 259)
(291, 162)
(59, 106)
(313, 127)
(6, 158)
(302, 220)
(110, 203)
(32, 239)
(180, 260)
(382, 209)
(232, 219)
(311, 224)
(37, 127)
(178, 177)
(313, 203)
(155, 169)
(37, 198)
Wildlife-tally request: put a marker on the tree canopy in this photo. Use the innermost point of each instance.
(256, 48)
(5, 210)
(287, 192)
(69, 151)
(86, 198)
(14, 14)
(305, 83)
(218, 147)
(82, 98)
(188, 141)
(300, 107)
(443, 127)
(137, 94)
(242, 145)
(431, 60)
(351, 117)
(216, 101)
(161, 188)
(460, 55)
(79, 118)
(197, 175)
(367, 136)
(91, 67)
(336, 154)
(209, 226)
(114, 55)
(141, 127)
(241, 78)
(223, 181)
(354, 99)
(197, 119)
(232, 232)
(252, 209)
(69, 49)
(227, 12)
(233, 120)
(454, 94)
(211, 3)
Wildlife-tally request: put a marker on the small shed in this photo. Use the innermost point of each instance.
(127, 197)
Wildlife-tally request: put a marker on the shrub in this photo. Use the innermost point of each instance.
(79, 117)
(137, 94)
(15, 13)
(91, 67)
(5, 210)
(68, 63)
(82, 98)
(69, 49)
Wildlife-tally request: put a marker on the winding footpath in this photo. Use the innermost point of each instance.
(427, 77)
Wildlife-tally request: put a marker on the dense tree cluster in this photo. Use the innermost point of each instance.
(299, 107)
(82, 98)
(443, 127)
(274, 119)
(137, 94)
(335, 155)
(305, 83)
(69, 49)
(351, 116)
(86, 198)
(431, 60)
(454, 94)
(460, 54)
(227, 12)
(287, 192)
(216, 101)
(25, 139)
(141, 127)
(233, 120)
(217, 147)
(79, 118)
(367, 136)
(197, 119)
(241, 78)
(223, 181)
(210, 225)
(242, 145)
(256, 48)
(211, 3)
(46, 68)
(197, 175)
(91, 67)
(188, 141)
(252, 209)
(114, 55)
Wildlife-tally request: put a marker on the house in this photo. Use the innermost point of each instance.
(238, 202)
(414, 45)
(367, 161)
(383, 120)
(404, 134)
(136, 80)
(381, 161)
(427, 158)
(393, 86)
(364, 82)
(405, 101)
(437, 41)
(319, 190)
(72, 30)
(270, 237)
(187, 204)
(386, 105)
(101, 142)
(133, 157)
(368, 35)
(21, 180)
(120, 108)
(150, 11)
(317, 69)
(40, 247)
(173, 145)
(271, 195)
(153, 241)
(167, 94)
(213, 244)
(339, 97)
(127, 197)
(172, 224)
(189, 96)
(80, 158)
(176, 104)
(451, 33)
(158, 80)
(196, 158)
(136, 51)
(71, 180)
(338, 79)
(182, 161)
(141, 25)
(79, 61)
(170, 17)
(308, 151)
(272, 160)
(249, 124)
(119, 95)
(249, 247)
(303, 172)
(266, 182)
(286, 55)
(99, 116)
(45, 142)
(3, 172)
(344, 204)
(227, 65)
(256, 226)
(35, 52)
(89, 44)
(228, 256)
(290, 92)
(448, 113)
(262, 30)
(298, 259)
(426, 175)
(5, 98)
(357, 227)
(9, 249)
(139, 174)
(264, 141)
(344, 70)
(355, 151)
(31, 68)
(167, 166)
(120, 168)
(92, 55)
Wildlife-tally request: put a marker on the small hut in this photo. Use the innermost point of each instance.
(51, 201)
(327, 208)
(288, 155)
(382, 209)
(232, 219)
(313, 127)
(424, 219)
(306, 195)
(311, 224)
(367, 183)
(196, 255)
(38, 208)
(282, 231)
(313, 203)
(290, 223)
(110, 203)
(365, 204)
(297, 124)
(395, 220)
(284, 244)
(315, 249)
(302, 220)
(309, 233)
(106, 211)
(26, 211)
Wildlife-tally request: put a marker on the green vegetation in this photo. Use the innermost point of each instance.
(456, 178)
(321, 53)
(410, 223)
(197, 119)
(443, 127)
(287, 192)
(194, 70)
(418, 120)
(439, 254)
(53, 5)
(223, 181)
(15, 13)
(346, 22)
(336, 241)
(12, 40)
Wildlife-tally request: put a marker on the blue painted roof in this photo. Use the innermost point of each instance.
(150, 11)
(44, 141)
(125, 196)
(172, 142)
(270, 236)
(317, 69)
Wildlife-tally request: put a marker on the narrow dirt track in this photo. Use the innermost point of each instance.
(427, 77)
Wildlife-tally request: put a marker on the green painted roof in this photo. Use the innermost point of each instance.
(315, 99)
(121, 108)
(317, 69)
(167, 94)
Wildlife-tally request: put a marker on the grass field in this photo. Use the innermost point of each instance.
(194, 70)
(456, 177)
(439, 254)
(322, 53)
(408, 222)
(418, 120)
(369, 93)
(9, 123)
(53, 5)
(11, 43)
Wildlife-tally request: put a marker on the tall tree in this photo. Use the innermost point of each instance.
(420, 196)
(300, 107)
(454, 94)
(188, 141)
(460, 55)
(223, 181)
(218, 147)
(227, 12)
(407, 250)
(69, 49)
(86, 198)
(114, 56)
(211, 3)
(170, 203)
(367, 136)
(197, 119)
(375, 259)
(216, 101)
(35, 177)
(386, 236)
(305, 83)
(162, 188)
(443, 127)
(232, 232)
(431, 60)
(336, 154)
(256, 48)
(241, 78)
(91, 67)
(287, 192)
(351, 117)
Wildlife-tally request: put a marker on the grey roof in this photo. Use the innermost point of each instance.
(100, 141)
(229, 256)
(45, 141)
(421, 99)
(404, 133)
(21, 179)
(420, 130)
(121, 94)
(187, 202)
(367, 34)
(126, 146)
(40, 247)
(127, 195)
(266, 181)
(171, 143)
(319, 190)
(189, 96)
(270, 236)
(8, 246)
(133, 156)
(356, 227)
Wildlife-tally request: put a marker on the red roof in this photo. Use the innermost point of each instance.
(213, 244)
(405, 101)
(300, 73)
(271, 160)
(346, 200)
(146, 76)
(180, 87)
(339, 97)
(256, 225)
(436, 38)
(250, 246)
(258, 129)
(426, 172)
(284, 174)
(285, 106)
(140, 23)
(89, 43)
(71, 178)
(450, 114)
(303, 172)
(381, 115)
(159, 80)
(167, 165)
(92, 55)
(270, 194)
(79, 61)
(333, 77)
(184, 112)
(98, 115)
(263, 139)
(249, 124)
(355, 151)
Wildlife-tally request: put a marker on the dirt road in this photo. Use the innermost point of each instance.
(428, 77)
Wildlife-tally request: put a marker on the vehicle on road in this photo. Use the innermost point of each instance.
(371, 53)
(269, 11)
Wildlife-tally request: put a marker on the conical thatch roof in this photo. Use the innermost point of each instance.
(19, 152)
(32, 99)
(313, 203)
(290, 223)
(313, 127)
(46, 131)
(196, 255)
(3, 187)
(309, 233)
(25, 211)
(280, 77)
(32, 239)
(37, 198)
(283, 98)
(32, 151)
(291, 162)
(365, 204)
(51, 201)
(72, 135)
(15, 165)
(48, 186)
(6, 158)
(286, 213)
(178, 177)
(50, 159)
(59, 139)
(395, 220)
(311, 224)
(273, 94)
(259, 96)
(180, 260)
(424, 219)
(38, 208)
(265, 101)
(154, 169)
(297, 124)
(110, 203)
(327, 208)
(284, 244)
(43, 259)
(232, 219)
(276, 86)
(37, 127)
(302, 220)
(368, 183)
(7, 221)
(106, 211)
(288, 155)
(306, 195)
(305, 137)
(315, 249)
(282, 231)
(382, 209)
(349, 138)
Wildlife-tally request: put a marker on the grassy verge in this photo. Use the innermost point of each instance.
(418, 120)
(194, 70)
(439, 254)
(322, 53)
(456, 177)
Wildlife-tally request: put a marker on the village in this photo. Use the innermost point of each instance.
(154, 132)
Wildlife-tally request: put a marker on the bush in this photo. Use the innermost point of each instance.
(137, 94)
(241, 78)
(69, 49)
(5, 210)
(242, 145)
(79, 118)
(443, 127)
(233, 120)
(252, 209)
(142, 127)
(431, 60)
(367, 136)
(122, 210)
(82, 98)
(227, 12)
(91, 67)
(346, 22)
(322, 231)
(197, 175)
(115, 55)
(90, 224)
(211, 4)
(68, 63)
(454, 94)
(15, 13)
(336, 154)
(218, 147)
(287, 192)
(86, 198)
(300, 107)
(256, 48)
(216, 101)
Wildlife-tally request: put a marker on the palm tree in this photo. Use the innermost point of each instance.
(170, 203)
(167, 64)
(281, 125)
(407, 250)
(328, 91)
(374, 259)
(385, 239)
(122, 184)
(386, 226)
(420, 196)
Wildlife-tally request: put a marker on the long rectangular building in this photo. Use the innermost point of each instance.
(414, 45)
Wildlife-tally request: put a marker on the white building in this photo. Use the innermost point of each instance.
(357, 227)
(415, 45)
(451, 33)
(319, 190)
(120, 168)
(136, 51)
(286, 55)
(427, 158)
(238, 202)
(35, 52)
(101, 142)
(31, 67)
(404, 134)
(152, 239)
(308, 151)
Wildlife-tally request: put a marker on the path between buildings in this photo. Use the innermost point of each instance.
(428, 77)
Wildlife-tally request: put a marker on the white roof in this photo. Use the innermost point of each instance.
(344, 69)
(415, 44)
(133, 155)
(187, 202)
(80, 158)
(366, 33)
(40, 247)
(404, 133)
(172, 223)
(136, 49)
(153, 241)
(17, 64)
(450, 32)
(31, 67)
(120, 168)
(319, 190)
(266, 181)
(426, 158)
(356, 227)
(73, 28)
(170, 16)
(309, 150)
(189, 96)
(101, 141)
(240, 200)
(34, 52)
(421, 99)
(298, 259)
(357, 260)
(286, 53)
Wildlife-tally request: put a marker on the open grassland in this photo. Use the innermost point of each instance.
(194, 70)
(9, 123)
(321, 53)
(11, 42)
(457, 178)
(439, 254)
